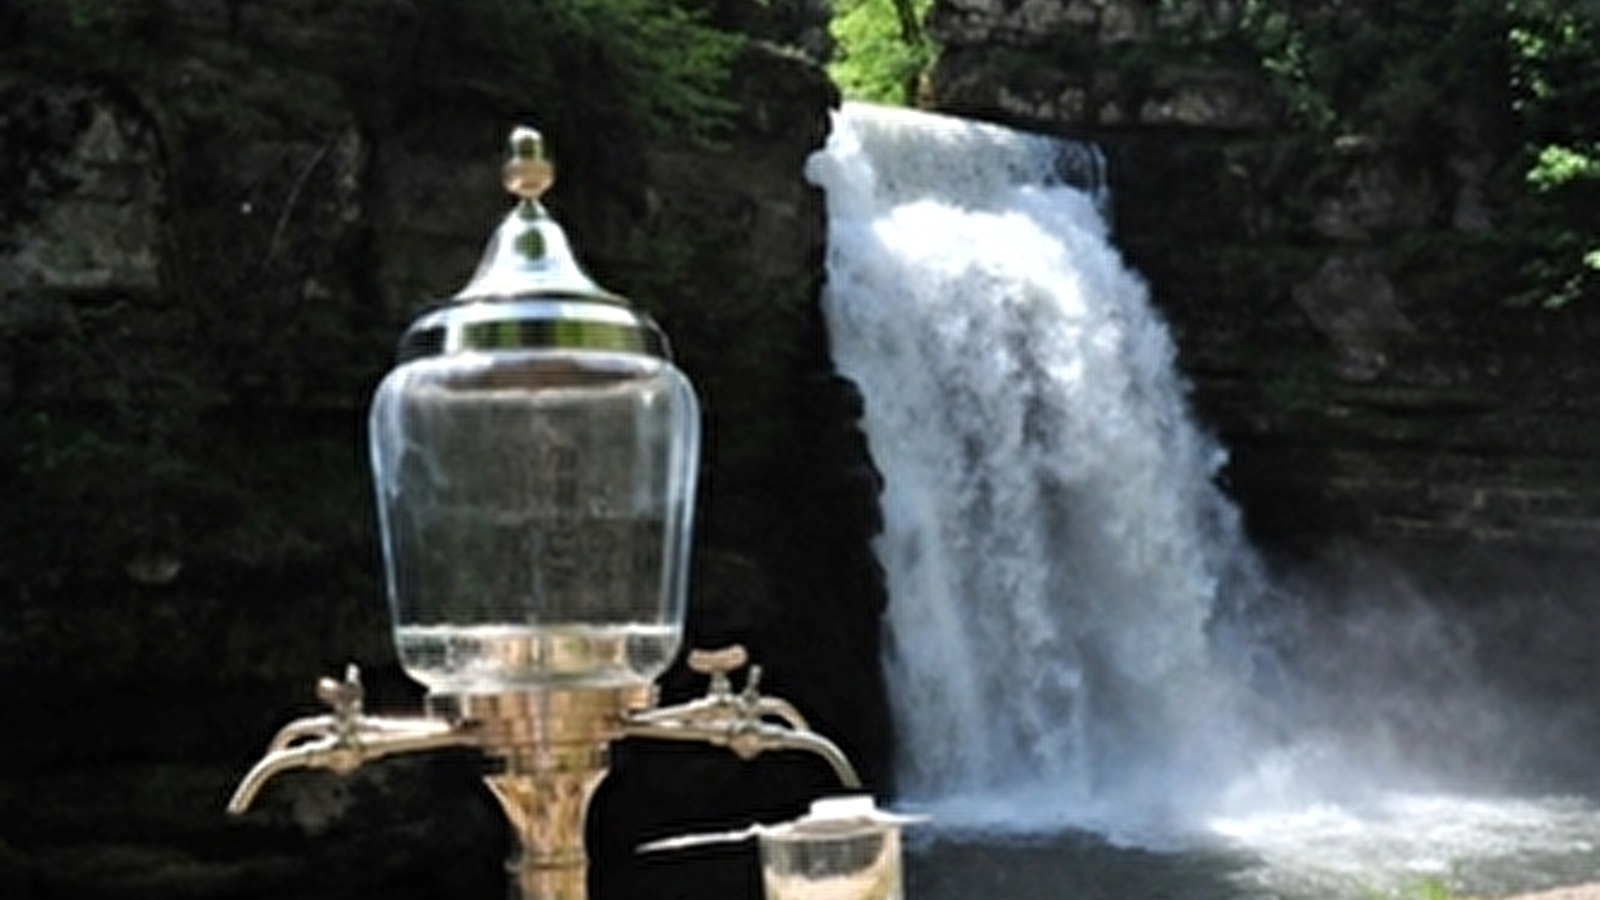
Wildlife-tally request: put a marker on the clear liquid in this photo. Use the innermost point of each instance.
(468, 659)
(857, 864)
(525, 488)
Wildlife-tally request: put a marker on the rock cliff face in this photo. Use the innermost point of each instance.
(1340, 328)
(217, 219)
(218, 215)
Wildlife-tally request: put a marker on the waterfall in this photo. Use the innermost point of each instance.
(1078, 635)
(1057, 554)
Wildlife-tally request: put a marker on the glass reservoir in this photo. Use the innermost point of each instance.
(534, 457)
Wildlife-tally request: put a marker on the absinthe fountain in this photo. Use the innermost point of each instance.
(1074, 640)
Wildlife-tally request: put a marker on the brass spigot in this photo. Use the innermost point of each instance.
(720, 701)
(738, 721)
(551, 746)
(344, 740)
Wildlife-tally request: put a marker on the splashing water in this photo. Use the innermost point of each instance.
(1053, 539)
(1067, 641)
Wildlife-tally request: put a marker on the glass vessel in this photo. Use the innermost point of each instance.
(534, 457)
(845, 849)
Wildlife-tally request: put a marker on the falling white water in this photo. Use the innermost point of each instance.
(1053, 541)
(1069, 588)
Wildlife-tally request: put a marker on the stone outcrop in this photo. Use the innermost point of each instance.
(218, 219)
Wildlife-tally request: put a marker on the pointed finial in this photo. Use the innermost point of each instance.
(527, 172)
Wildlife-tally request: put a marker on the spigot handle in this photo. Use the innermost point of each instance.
(735, 721)
(345, 698)
(720, 661)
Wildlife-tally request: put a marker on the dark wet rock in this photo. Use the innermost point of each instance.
(217, 219)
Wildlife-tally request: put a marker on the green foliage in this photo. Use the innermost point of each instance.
(1556, 166)
(1375, 65)
(881, 51)
(1519, 77)
(651, 63)
(1555, 79)
(656, 64)
(1290, 58)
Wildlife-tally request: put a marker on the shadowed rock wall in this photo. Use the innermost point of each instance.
(217, 219)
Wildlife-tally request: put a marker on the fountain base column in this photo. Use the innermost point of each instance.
(552, 747)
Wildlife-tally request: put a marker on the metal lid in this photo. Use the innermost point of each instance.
(529, 291)
(829, 817)
(832, 817)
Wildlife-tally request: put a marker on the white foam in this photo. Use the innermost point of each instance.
(1053, 543)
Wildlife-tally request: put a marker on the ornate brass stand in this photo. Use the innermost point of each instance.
(551, 747)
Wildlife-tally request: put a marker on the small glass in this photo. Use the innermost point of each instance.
(832, 857)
